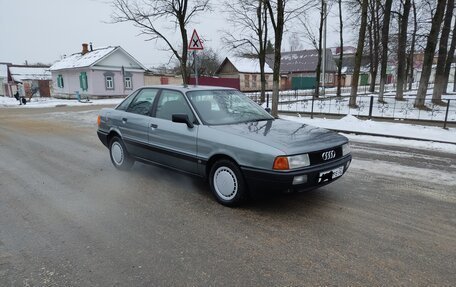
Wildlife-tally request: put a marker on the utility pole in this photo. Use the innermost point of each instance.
(324, 48)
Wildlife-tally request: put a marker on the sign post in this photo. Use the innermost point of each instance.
(193, 45)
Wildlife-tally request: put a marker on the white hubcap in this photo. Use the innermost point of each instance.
(117, 153)
(225, 183)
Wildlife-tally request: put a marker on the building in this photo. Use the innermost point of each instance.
(97, 73)
(298, 69)
(35, 80)
(244, 74)
(4, 90)
(157, 78)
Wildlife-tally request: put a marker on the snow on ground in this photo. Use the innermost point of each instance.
(351, 124)
(52, 102)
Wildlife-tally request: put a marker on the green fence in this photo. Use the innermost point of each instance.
(302, 83)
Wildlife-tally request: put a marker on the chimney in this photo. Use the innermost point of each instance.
(84, 48)
(91, 47)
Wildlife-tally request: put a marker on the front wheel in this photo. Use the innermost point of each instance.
(119, 155)
(227, 183)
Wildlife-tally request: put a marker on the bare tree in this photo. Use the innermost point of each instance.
(374, 41)
(439, 83)
(145, 14)
(385, 37)
(295, 42)
(320, 33)
(429, 54)
(250, 19)
(401, 53)
(450, 58)
(341, 50)
(359, 53)
(280, 11)
(208, 62)
(411, 57)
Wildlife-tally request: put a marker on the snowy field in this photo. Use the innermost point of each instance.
(300, 101)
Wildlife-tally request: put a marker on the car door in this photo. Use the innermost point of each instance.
(134, 123)
(176, 142)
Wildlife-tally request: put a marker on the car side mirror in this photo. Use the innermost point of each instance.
(182, 118)
(268, 110)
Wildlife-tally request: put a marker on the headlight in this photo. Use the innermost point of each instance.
(291, 162)
(345, 149)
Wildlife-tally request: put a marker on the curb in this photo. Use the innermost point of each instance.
(391, 136)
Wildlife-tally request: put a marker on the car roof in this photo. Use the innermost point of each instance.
(188, 88)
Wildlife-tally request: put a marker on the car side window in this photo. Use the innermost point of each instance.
(173, 102)
(126, 102)
(142, 103)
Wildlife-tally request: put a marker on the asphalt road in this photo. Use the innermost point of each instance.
(68, 218)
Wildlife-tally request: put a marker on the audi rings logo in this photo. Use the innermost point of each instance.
(327, 155)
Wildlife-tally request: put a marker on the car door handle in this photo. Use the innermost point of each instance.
(124, 120)
(154, 126)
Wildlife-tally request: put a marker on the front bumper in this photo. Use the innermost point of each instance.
(275, 180)
(103, 136)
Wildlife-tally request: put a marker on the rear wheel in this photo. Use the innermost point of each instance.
(227, 183)
(119, 155)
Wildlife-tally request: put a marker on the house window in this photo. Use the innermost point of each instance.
(266, 80)
(60, 81)
(109, 80)
(128, 84)
(247, 81)
(109, 83)
(254, 81)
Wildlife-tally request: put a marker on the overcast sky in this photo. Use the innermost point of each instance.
(44, 30)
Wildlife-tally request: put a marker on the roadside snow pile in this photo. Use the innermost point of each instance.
(52, 102)
(351, 124)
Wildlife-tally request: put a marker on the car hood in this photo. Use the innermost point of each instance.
(290, 137)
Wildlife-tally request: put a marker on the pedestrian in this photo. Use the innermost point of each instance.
(20, 90)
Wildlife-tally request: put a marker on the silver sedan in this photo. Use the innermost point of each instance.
(223, 136)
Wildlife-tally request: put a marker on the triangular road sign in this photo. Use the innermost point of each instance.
(195, 42)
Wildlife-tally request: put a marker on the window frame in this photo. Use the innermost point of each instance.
(109, 80)
(128, 79)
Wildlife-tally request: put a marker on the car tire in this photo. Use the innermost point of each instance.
(227, 183)
(119, 154)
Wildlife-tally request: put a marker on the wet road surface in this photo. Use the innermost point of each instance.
(68, 218)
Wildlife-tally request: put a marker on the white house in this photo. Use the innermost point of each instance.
(97, 73)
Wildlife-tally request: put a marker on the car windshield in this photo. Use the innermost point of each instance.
(221, 107)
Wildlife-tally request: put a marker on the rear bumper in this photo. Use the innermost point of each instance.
(103, 136)
(260, 180)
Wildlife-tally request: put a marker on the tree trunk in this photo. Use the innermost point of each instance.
(359, 53)
(401, 53)
(412, 48)
(385, 38)
(442, 56)
(429, 54)
(318, 70)
(184, 58)
(450, 59)
(262, 40)
(278, 31)
(375, 6)
(341, 52)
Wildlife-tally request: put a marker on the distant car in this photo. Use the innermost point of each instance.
(220, 134)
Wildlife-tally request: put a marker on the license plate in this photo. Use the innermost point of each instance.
(330, 174)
